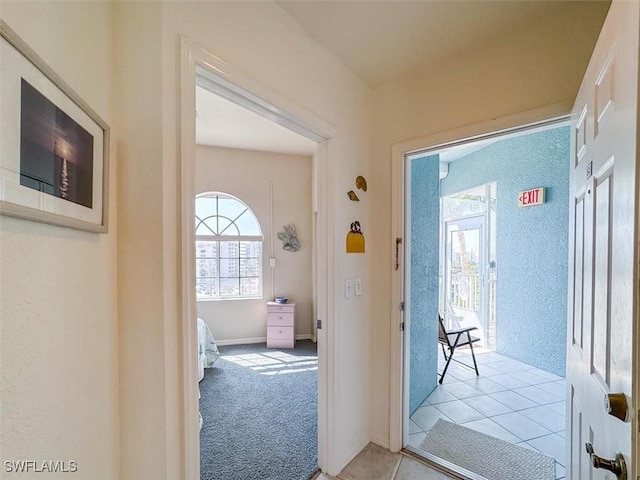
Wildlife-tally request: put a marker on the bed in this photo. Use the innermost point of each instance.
(207, 352)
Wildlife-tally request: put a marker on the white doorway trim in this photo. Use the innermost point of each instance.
(198, 66)
(509, 124)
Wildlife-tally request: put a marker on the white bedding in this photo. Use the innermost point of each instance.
(207, 350)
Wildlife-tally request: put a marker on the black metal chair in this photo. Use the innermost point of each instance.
(453, 339)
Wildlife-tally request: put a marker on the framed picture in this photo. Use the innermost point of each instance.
(54, 149)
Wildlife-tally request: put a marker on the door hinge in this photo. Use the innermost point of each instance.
(402, 306)
(402, 326)
(319, 324)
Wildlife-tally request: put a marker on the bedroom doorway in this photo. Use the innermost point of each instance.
(272, 364)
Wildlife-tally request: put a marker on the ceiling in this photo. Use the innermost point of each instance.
(222, 123)
(381, 41)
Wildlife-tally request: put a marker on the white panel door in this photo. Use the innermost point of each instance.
(603, 289)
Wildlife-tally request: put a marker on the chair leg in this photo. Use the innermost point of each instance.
(444, 352)
(473, 355)
(444, 372)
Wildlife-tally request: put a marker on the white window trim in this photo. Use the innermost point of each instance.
(230, 238)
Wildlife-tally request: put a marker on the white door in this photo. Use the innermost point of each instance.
(603, 287)
(465, 263)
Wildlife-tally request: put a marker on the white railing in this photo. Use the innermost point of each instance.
(465, 290)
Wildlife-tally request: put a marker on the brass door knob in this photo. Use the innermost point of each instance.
(617, 466)
(616, 405)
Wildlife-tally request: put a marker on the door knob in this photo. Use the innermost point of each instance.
(616, 405)
(617, 466)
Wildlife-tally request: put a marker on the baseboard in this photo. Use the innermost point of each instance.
(380, 440)
(246, 341)
(241, 341)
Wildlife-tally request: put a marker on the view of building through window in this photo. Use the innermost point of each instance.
(228, 269)
(228, 248)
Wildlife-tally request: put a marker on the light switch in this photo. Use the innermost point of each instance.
(348, 288)
(272, 262)
(358, 286)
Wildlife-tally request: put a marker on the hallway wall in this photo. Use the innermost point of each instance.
(58, 302)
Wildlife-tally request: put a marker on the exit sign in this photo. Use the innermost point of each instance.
(531, 197)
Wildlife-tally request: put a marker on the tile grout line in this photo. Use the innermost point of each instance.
(397, 469)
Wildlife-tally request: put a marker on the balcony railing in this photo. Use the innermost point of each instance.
(465, 290)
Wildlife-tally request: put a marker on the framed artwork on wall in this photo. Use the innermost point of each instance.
(54, 149)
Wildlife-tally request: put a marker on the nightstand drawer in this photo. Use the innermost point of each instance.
(280, 344)
(280, 337)
(280, 319)
(280, 308)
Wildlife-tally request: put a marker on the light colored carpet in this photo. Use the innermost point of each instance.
(485, 455)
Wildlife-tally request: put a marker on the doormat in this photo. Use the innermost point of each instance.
(490, 457)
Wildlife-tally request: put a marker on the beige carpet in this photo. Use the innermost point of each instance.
(490, 457)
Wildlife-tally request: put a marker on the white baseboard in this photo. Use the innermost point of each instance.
(241, 341)
(380, 440)
(246, 341)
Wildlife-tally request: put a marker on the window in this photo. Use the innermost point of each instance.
(228, 248)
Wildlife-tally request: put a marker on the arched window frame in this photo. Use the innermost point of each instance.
(248, 285)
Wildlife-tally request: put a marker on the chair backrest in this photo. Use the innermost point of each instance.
(442, 333)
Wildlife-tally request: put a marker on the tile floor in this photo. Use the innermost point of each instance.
(378, 463)
(510, 400)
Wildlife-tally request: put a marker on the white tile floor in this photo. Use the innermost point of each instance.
(510, 400)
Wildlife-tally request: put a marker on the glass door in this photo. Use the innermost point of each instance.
(465, 276)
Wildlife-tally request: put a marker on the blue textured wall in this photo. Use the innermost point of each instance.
(425, 219)
(532, 242)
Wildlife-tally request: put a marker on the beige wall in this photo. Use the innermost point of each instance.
(536, 67)
(59, 350)
(148, 330)
(246, 175)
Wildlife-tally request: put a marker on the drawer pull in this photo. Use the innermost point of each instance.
(279, 331)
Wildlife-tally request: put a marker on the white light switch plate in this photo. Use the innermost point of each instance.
(358, 286)
(348, 288)
(272, 262)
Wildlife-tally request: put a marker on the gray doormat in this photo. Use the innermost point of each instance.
(490, 457)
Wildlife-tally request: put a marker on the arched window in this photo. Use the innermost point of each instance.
(228, 248)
